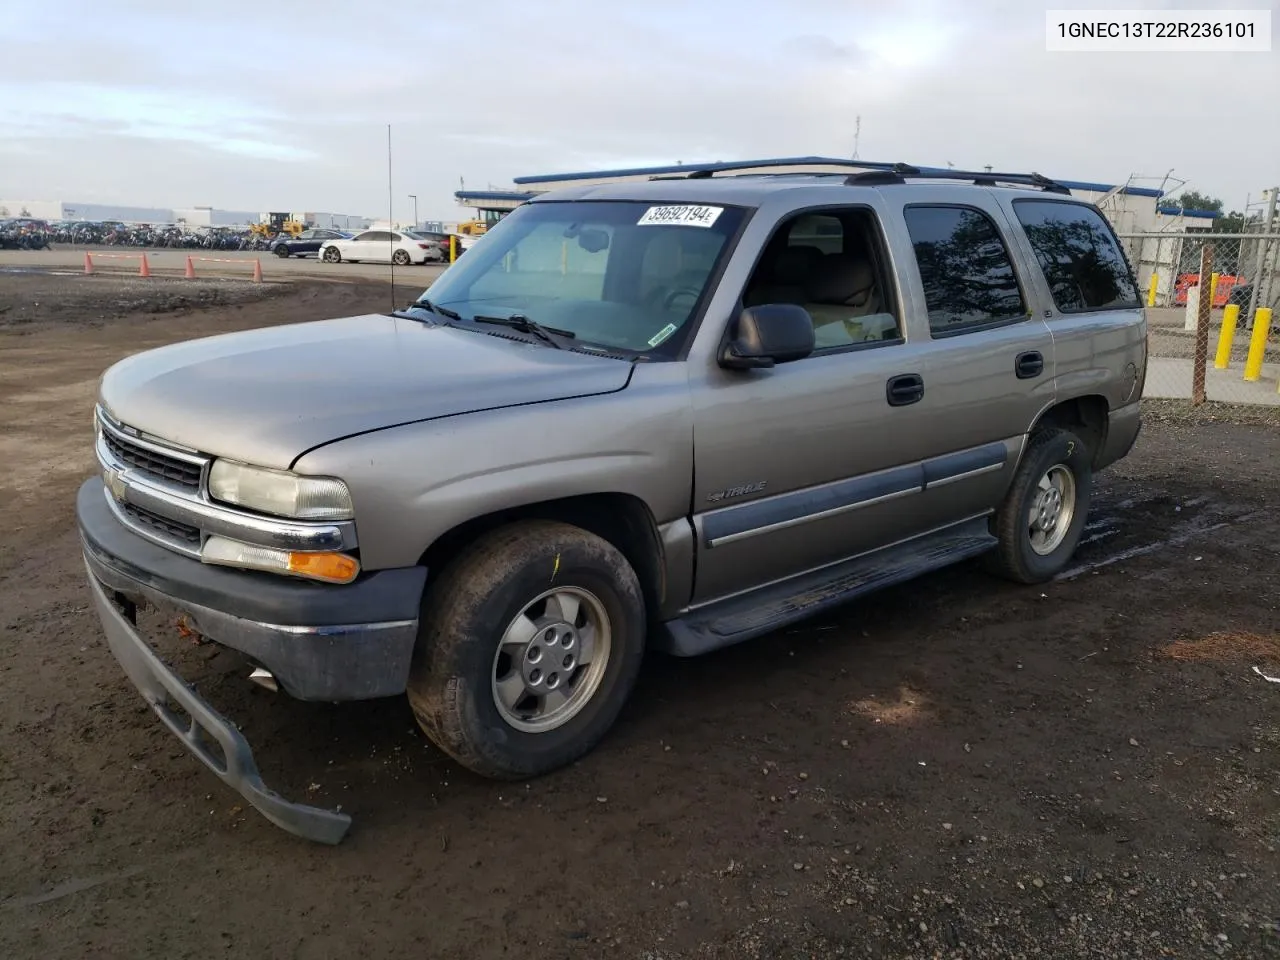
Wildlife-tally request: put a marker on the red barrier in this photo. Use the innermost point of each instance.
(190, 272)
(144, 269)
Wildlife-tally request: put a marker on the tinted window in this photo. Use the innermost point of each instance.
(1078, 254)
(965, 268)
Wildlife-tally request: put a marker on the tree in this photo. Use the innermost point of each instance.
(1195, 200)
(1237, 222)
(4, 211)
(24, 212)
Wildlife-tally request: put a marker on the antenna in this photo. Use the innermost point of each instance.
(391, 226)
(857, 135)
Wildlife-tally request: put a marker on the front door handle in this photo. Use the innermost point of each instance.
(904, 389)
(1029, 364)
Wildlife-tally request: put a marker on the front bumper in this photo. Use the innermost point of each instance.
(320, 641)
(235, 767)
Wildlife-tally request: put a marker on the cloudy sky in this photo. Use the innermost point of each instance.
(284, 105)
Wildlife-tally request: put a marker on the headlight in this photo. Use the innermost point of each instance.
(280, 493)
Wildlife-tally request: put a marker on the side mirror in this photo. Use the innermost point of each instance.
(768, 334)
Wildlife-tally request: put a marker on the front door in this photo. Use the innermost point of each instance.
(817, 460)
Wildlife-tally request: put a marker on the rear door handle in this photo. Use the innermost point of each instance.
(1029, 364)
(904, 389)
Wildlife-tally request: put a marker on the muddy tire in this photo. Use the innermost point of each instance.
(1043, 515)
(530, 643)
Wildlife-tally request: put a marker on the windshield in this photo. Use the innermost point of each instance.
(616, 274)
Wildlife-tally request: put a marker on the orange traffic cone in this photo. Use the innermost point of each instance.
(88, 262)
(144, 270)
(257, 271)
(190, 272)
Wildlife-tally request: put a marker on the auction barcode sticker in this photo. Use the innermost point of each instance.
(688, 216)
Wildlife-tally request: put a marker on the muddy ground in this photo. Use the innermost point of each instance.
(957, 767)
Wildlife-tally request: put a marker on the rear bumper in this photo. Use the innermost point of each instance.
(1123, 426)
(321, 642)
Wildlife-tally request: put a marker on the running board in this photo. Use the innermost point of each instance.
(745, 617)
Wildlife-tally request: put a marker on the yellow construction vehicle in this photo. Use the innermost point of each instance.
(472, 228)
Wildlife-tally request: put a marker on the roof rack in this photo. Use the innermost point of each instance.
(900, 172)
(736, 169)
(869, 174)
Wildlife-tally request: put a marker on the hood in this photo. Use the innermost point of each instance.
(266, 396)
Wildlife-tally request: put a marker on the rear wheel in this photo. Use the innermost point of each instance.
(400, 257)
(531, 642)
(1044, 513)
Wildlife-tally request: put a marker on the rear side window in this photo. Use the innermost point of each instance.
(1077, 251)
(965, 268)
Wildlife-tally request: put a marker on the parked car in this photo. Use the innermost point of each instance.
(669, 415)
(381, 246)
(307, 242)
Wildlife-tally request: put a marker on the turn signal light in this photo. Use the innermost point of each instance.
(335, 567)
(329, 567)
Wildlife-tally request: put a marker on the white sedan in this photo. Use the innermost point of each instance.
(381, 246)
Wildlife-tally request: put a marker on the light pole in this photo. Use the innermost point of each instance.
(414, 198)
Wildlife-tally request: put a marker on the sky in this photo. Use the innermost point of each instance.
(285, 105)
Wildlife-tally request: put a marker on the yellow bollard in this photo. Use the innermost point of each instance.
(1258, 345)
(453, 248)
(1151, 289)
(1227, 336)
(1213, 289)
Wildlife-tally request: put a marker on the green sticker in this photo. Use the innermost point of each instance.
(662, 334)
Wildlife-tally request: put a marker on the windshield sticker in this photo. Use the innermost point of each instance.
(687, 216)
(662, 334)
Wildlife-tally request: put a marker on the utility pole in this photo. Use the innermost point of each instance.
(414, 198)
(1263, 244)
(857, 134)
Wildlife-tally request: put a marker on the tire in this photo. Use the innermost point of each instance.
(1054, 455)
(332, 255)
(282, 252)
(400, 258)
(460, 657)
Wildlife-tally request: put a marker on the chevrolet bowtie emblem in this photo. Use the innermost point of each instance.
(114, 482)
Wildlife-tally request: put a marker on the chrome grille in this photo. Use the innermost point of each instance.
(151, 459)
(163, 526)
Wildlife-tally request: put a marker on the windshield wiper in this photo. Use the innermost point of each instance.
(518, 321)
(426, 304)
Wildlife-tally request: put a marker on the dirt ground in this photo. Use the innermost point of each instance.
(956, 767)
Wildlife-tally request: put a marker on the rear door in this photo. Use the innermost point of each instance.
(990, 361)
(1093, 305)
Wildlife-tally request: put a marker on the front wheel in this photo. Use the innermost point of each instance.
(530, 644)
(331, 255)
(282, 252)
(1044, 513)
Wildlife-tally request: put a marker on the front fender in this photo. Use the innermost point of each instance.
(410, 484)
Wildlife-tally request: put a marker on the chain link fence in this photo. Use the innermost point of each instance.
(1243, 364)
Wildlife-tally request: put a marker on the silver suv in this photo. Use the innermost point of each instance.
(669, 414)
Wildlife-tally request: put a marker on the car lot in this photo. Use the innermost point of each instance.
(231, 264)
(956, 767)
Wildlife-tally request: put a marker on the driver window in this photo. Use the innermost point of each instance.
(832, 263)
